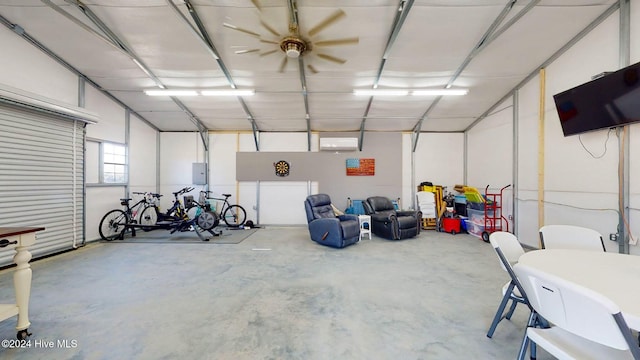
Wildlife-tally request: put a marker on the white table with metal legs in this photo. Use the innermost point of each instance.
(19, 239)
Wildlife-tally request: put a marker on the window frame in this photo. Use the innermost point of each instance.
(103, 163)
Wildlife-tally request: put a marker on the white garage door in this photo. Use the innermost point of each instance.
(41, 177)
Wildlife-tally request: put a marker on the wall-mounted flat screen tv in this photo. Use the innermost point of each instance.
(609, 101)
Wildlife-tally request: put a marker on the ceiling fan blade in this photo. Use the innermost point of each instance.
(326, 22)
(241, 29)
(269, 28)
(268, 52)
(345, 41)
(269, 41)
(283, 64)
(331, 58)
(312, 69)
(246, 51)
(256, 3)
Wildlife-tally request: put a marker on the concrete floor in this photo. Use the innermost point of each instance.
(276, 295)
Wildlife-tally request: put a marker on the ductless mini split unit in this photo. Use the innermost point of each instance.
(338, 144)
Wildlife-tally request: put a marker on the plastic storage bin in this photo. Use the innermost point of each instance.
(476, 215)
(474, 228)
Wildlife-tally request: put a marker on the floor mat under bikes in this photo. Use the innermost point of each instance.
(227, 236)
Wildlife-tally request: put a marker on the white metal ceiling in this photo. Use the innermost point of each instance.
(432, 43)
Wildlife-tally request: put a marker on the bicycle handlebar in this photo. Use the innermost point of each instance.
(183, 191)
(155, 195)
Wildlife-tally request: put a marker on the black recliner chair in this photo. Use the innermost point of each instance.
(328, 229)
(389, 223)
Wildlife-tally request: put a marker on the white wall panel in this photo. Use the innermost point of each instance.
(178, 152)
(248, 199)
(100, 200)
(112, 117)
(246, 142)
(581, 172)
(27, 68)
(92, 159)
(635, 32)
(407, 201)
(258, 197)
(275, 204)
(527, 141)
(579, 189)
(490, 150)
(634, 144)
(283, 142)
(222, 160)
(142, 156)
(527, 219)
(634, 186)
(593, 210)
(439, 158)
(222, 171)
(282, 203)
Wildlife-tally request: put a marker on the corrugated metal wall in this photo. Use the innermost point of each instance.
(41, 178)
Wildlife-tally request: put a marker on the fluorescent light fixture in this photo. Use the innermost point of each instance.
(231, 92)
(184, 92)
(379, 92)
(404, 92)
(440, 92)
(171, 92)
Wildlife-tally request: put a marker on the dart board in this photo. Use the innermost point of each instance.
(282, 168)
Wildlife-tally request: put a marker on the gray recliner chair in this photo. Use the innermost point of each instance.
(328, 229)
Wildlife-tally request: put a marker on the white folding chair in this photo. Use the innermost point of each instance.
(570, 237)
(508, 249)
(585, 324)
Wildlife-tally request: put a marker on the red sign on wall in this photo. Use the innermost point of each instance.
(361, 167)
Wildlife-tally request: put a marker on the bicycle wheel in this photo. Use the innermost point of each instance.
(113, 225)
(149, 216)
(235, 215)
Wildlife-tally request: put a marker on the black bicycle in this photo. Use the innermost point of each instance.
(153, 215)
(115, 222)
(232, 215)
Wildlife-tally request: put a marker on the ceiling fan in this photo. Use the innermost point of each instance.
(294, 45)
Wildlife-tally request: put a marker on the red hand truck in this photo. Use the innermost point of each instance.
(493, 218)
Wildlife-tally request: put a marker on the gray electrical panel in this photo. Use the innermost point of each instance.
(199, 176)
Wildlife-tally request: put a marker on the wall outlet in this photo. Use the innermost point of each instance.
(613, 237)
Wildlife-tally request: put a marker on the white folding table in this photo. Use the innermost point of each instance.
(616, 276)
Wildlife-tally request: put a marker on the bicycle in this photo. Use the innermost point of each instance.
(232, 215)
(153, 216)
(114, 223)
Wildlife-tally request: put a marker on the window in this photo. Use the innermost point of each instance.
(114, 163)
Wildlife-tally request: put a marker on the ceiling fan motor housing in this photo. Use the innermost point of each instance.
(293, 46)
